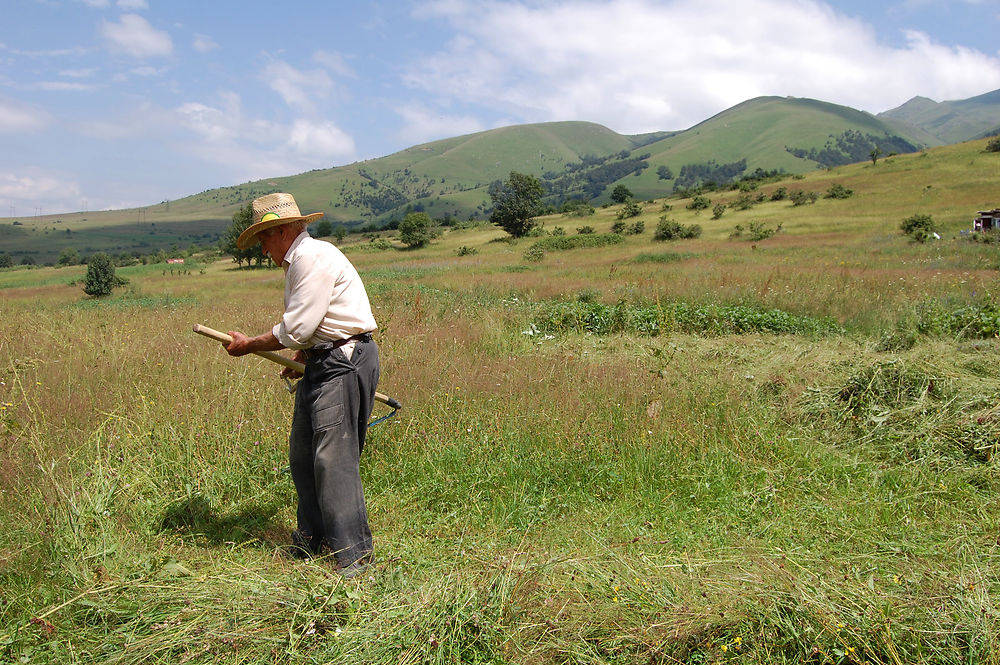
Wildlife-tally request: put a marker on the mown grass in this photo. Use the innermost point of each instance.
(570, 494)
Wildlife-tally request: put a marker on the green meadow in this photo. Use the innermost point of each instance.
(721, 449)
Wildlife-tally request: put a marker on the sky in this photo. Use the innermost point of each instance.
(122, 103)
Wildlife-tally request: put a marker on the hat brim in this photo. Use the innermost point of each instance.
(249, 237)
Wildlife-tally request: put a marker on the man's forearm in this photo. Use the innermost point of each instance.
(242, 345)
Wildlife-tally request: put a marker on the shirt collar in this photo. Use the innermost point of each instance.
(290, 254)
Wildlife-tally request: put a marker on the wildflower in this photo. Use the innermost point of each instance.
(738, 640)
(724, 647)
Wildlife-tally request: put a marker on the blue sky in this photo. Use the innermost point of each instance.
(122, 103)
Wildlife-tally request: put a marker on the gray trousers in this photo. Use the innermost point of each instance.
(333, 402)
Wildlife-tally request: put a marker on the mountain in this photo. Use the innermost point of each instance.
(950, 121)
(451, 177)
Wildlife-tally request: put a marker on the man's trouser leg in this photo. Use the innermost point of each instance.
(332, 406)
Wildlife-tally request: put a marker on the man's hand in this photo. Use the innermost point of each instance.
(288, 373)
(240, 346)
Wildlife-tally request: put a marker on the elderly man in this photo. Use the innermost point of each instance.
(328, 320)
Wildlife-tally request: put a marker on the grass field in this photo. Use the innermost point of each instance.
(700, 451)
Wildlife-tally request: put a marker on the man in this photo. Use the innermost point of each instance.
(328, 320)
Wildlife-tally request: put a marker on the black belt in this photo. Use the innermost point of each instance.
(326, 347)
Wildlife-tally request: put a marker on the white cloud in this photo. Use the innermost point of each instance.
(250, 148)
(78, 73)
(204, 44)
(320, 141)
(148, 71)
(335, 62)
(643, 65)
(134, 36)
(97, 4)
(423, 124)
(132, 4)
(18, 118)
(296, 87)
(55, 192)
(64, 86)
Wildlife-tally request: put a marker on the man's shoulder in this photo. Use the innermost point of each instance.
(315, 250)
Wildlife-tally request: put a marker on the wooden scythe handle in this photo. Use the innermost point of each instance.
(280, 359)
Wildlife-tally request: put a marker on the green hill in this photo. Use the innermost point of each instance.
(451, 177)
(950, 121)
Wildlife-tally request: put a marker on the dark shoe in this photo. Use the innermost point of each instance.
(355, 568)
(304, 546)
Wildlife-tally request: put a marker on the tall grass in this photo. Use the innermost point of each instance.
(557, 495)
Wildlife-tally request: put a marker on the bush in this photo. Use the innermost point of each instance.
(993, 145)
(668, 229)
(920, 227)
(559, 243)
(636, 228)
(621, 194)
(699, 203)
(584, 230)
(534, 254)
(101, 278)
(838, 191)
(780, 194)
(630, 209)
(466, 251)
(618, 227)
(718, 211)
(799, 197)
(415, 229)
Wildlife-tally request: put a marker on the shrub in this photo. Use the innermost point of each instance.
(636, 228)
(554, 243)
(838, 191)
(584, 230)
(699, 203)
(668, 229)
(466, 251)
(718, 211)
(101, 278)
(920, 227)
(630, 209)
(618, 227)
(800, 197)
(780, 194)
(993, 145)
(534, 254)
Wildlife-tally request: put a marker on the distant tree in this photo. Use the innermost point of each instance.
(415, 229)
(28, 260)
(242, 218)
(664, 173)
(630, 209)
(339, 233)
(920, 227)
(322, 229)
(516, 202)
(838, 191)
(620, 194)
(101, 278)
(875, 154)
(6, 261)
(699, 203)
(68, 257)
(993, 145)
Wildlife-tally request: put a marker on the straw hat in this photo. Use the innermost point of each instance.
(270, 211)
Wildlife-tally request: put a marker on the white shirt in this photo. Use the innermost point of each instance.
(325, 299)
